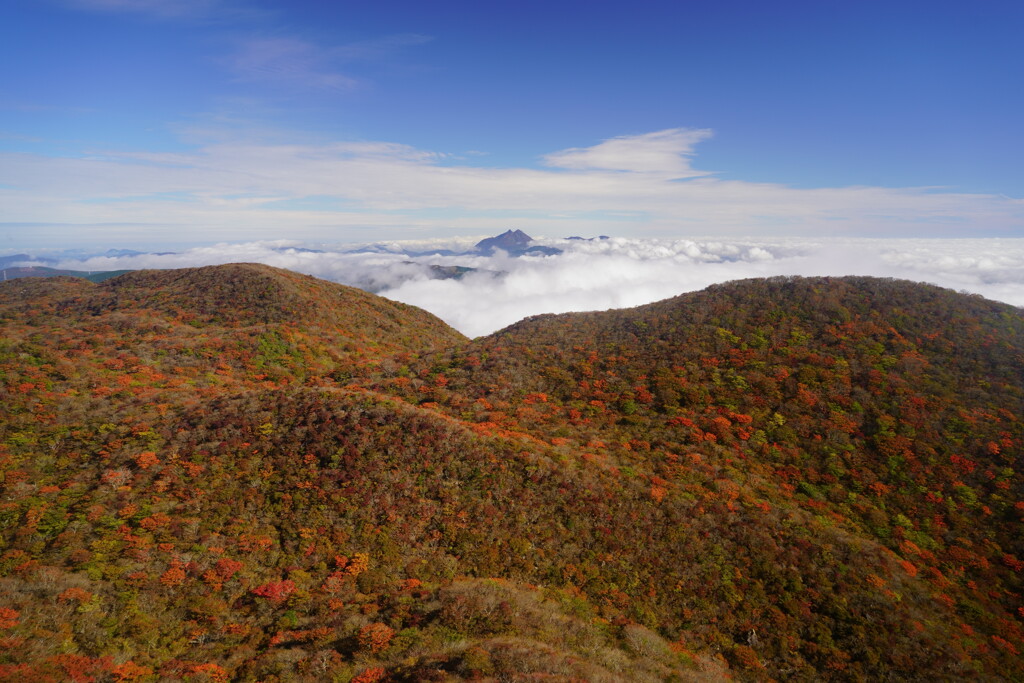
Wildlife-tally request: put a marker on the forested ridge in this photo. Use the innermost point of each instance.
(241, 473)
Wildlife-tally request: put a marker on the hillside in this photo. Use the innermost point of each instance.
(217, 325)
(239, 472)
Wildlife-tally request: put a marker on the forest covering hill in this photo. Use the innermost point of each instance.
(241, 473)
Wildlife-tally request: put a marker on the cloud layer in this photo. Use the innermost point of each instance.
(613, 273)
(232, 188)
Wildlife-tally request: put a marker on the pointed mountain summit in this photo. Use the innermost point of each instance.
(515, 243)
(510, 241)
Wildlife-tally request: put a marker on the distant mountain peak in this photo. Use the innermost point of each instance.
(510, 241)
(514, 242)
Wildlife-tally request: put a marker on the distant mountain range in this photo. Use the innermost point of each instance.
(242, 473)
(512, 242)
(14, 272)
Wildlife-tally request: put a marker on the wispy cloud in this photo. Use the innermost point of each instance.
(170, 9)
(377, 49)
(664, 152)
(288, 61)
(236, 188)
(302, 64)
(283, 60)
(612, 273)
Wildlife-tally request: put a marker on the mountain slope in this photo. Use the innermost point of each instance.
(234, 323)
(239, 472)
(889, 412)
(234, 295)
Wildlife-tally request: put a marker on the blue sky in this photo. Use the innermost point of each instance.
(146, 123)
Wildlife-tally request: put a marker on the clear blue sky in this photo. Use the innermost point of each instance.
(146, 122)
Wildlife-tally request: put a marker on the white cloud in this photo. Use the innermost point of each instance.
(613, 273)
(236, 188)
(664, 152)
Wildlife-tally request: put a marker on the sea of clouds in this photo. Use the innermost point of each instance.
(605, 273)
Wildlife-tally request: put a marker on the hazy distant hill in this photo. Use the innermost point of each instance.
(238, 472)
(11, 259)
(11, 273)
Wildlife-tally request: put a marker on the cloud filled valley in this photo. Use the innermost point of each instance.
(599, 274)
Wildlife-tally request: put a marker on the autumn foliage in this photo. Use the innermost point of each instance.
(241, 473)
